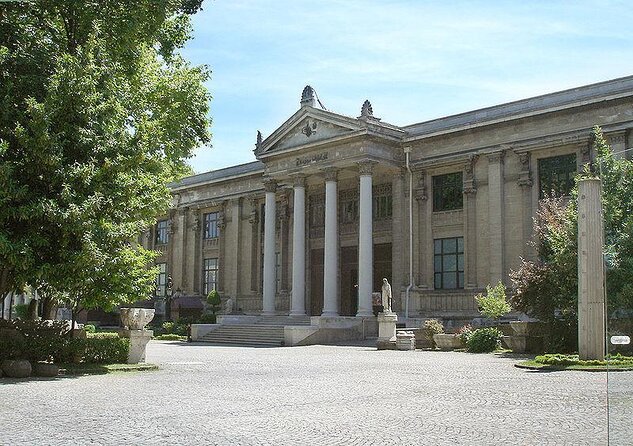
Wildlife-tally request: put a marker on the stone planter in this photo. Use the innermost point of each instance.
(515, 343)
(520, 328)
(17, 368)
(446, 341)
(45, 369)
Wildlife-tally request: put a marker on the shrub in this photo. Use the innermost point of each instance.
(206, 319)
(484, 340)
(11, 348)
(174, 328)
(214, 301)
(464, 333)
(105, 350)
(493, 304)
(104, 334)
(21, 311)
(90, 328)
(433, 326)
(170, 337)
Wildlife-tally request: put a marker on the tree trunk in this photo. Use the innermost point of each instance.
(49, 309)
(10, 305)
(32, 311)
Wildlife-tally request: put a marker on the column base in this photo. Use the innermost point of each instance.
(297, 314)
(329, 314)
(365, 314)
(269, 313)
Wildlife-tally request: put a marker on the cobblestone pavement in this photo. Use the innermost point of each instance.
(317, 395)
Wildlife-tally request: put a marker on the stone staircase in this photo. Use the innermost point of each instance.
(268, 332)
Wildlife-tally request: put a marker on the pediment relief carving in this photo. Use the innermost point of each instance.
(307, 131)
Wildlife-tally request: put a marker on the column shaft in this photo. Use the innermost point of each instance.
(268, 306)
(365, 247)
(298, 253)
(330, 264)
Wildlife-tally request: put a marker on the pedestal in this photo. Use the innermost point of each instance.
(138, 344)
(386, 331)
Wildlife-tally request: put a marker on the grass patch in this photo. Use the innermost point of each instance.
(102, 369)
(573, 362)
(170, 337)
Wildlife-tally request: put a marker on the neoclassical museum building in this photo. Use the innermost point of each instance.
(334, 204)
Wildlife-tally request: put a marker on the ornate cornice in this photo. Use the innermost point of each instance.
(299, 181)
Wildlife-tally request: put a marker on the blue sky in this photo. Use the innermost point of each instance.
(414, 60)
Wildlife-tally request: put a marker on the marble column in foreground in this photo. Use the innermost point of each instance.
(268, 305)
(365, 242)
(330, 261)
(298, 307)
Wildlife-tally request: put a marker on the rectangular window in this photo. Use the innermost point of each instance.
(211, 225)
(448, 192)
(161, 280)
(449, 263)
(162, 236)
(382, 207)
(210, 275)
(556, 175)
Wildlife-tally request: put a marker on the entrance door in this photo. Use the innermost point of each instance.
(316, 282)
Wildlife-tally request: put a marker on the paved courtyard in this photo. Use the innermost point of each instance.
(317, 395)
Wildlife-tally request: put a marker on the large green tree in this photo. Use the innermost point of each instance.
(98, 111)
(548, 288)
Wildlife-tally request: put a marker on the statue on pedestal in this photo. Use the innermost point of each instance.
(386, 296)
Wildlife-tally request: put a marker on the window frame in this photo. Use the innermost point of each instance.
(548, 168)
(161, 280)
(161, 237)
(441, 188)
(210, 275)
(445, 253)
(210, 229)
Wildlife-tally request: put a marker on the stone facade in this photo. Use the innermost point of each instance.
(339, 188)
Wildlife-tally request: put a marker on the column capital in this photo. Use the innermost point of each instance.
(366, 167)
(496, 157)
(299, 180)
(331, 173)
(270, 185)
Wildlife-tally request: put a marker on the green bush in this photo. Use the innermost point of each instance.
(89, 328)
(21, 311)
(484, 340)
(170, 337)
(105, 350)
(11, 348)
(464, 333)
(493, 304)
(567, 360)
(174, 328)
(206, 319)
(103, 334)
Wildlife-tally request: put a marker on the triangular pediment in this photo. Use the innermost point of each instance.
(306, 127)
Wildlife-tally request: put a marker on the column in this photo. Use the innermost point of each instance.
(470, 222)
(420, 251)
(495, 217)
(525, 183)
(298, 306)
(399, 239)
(254, 221)
(268, 304)
(330, 261)
(365, 242)
(222, 247)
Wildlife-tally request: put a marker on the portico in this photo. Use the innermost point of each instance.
(317, 148)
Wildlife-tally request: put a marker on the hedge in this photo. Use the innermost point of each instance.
(93, 350)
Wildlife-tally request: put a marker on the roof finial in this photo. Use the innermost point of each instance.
(366, 111)
(308, 97)
(258, 144)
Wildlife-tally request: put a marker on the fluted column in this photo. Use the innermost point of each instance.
(496, 233)
(330, 263)
(268, 304)
(298, 307)
(365, 241)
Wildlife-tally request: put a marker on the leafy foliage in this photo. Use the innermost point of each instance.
(214, 301)
(484, 340)
(98, 112)
(567, 360)
(548, 288)
(493, 304)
